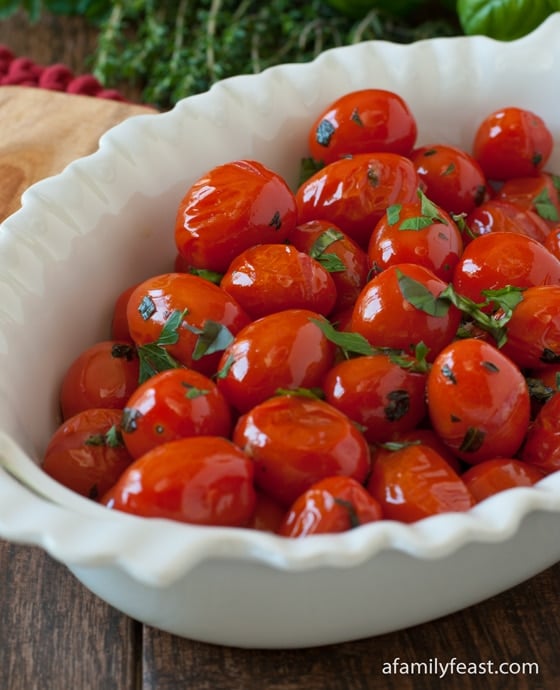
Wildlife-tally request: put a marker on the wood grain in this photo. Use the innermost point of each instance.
(42, 131)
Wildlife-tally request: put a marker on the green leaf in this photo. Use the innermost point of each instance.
(504, 20)
(308, 167)
(331, 262)
(213, 337)
(170, 332)
(312, 393)
(420, 297)
(349, 343)
(210, 276)
(545, 207)
(393, 213)
(416, 223)
(193, 392)
(153, 359)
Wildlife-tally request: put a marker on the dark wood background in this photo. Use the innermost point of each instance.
(55, 635)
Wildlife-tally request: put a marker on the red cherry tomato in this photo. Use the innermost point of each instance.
(498, 474)
(86, 453)
(334, 504)
(416, 232)
(119, 321)
(285, 350)
(478, 401)
(104, 375)
(427, 437)
(498, 215)
(452, 178)
(233, 207)
(207, 311)
(533, 331)
(500, 259)
(267, 515)
(377, 393)
(552, 241)
(385, 315)
(415, 482)
(296, 441)
(340, 255)
(173, 404)
(201, 480)
(512, 142)
(542, 444)
(268, 278)
(363, 121)
(538, 194)
(353, 193)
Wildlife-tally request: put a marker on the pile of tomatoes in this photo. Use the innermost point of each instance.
(381, 343)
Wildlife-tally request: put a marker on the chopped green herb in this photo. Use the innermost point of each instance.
(349, 343)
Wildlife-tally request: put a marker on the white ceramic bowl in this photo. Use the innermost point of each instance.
(105, 222)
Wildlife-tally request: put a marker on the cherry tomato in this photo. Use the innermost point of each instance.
(512, 142)
(363, 121)
(385, 313)
(268, 278)
(498, 474)
(542, 444)
(208, 318)
(201, 480)
(533, 331)
(285, 350)
(415, 482)
(452, 178)
(497, 215)
(267, 515)
(478, 401)
(539, 194)
(233, 207)
(296, 441)
(86, 453)
(340, 255)
(353, 193)
(334, 504)
(427, 437)
(377, 393)
(416, 232)
(552, 241)
(173, 404)
(119, 320)
(104, 375)
(500, 259)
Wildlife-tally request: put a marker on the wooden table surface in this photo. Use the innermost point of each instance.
(56, 635)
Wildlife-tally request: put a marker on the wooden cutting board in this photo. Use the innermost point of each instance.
(42, 131)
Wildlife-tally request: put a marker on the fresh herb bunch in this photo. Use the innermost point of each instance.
(169, 49)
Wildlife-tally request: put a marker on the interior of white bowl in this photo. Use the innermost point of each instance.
(106, 222)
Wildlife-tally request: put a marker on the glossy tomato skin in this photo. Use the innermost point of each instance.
(268, 278)
(512, 142)
(314, 238)
(427, 437)
(499, 215)
(234, 206)
(533, 331)
(285, 350)
(415, 482)
(478, 401)
(378, 394)
(406, 235)
(154, 300)
(499, 474)
(500, 259)
(542, 444)
(174, 404)
(201, 480)
(296, 441)
(104, 375)
(452, 178)
(353, 193)
(363, 121)
(333, 504)
(552, 241)
(538, 194)
(386, 318)
(85, 455)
